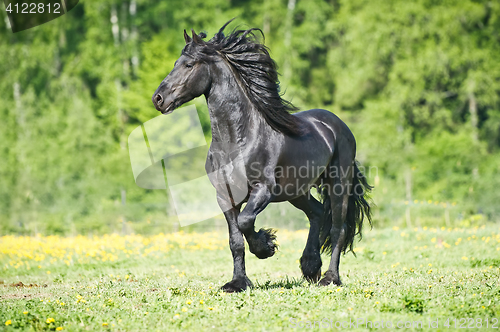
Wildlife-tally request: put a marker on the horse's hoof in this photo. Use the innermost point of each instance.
(311, 267)
(314, 279)
(329, 279)
(264, 245)
(325, 282)
(237, 285)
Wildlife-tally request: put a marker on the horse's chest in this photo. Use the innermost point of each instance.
(227, 173)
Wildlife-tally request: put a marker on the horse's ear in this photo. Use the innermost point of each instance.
(196, 39)
(186, 37)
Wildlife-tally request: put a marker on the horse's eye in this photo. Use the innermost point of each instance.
(188, 65)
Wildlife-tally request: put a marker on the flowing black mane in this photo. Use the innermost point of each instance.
(258, 73)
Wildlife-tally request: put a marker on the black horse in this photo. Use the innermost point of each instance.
(240, 82)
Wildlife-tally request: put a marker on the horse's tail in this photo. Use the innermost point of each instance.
(358, 208)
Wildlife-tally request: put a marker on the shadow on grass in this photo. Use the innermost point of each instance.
(286, 283)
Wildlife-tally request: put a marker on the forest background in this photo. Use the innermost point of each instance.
(418, 83)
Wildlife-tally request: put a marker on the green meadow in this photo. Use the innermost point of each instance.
(171, 282)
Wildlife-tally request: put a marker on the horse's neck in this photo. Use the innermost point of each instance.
(233, 117)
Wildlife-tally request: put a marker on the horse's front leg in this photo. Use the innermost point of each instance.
(240, 280)
(310, 262)
(260, 243)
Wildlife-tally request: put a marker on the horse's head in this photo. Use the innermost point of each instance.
(189, 79)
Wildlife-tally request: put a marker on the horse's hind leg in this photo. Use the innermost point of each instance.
(337, 234)
(310, 262)
(340, 190)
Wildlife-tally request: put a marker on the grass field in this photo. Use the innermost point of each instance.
(171, 282)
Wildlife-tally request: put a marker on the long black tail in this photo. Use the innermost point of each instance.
(358, 209)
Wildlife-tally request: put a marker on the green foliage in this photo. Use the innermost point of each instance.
(413, 303)
(418, 83)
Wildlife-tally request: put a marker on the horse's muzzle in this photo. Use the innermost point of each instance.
(157, 100)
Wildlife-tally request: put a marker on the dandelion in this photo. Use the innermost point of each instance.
(210, 308)
(8, 322)
(60, 328)
(188, 302)
(105, 324)
(25, 312)
(201, 302)
(50, 320)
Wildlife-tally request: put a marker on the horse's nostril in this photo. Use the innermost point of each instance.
(158, 99)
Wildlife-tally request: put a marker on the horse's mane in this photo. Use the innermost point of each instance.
(257, 71)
